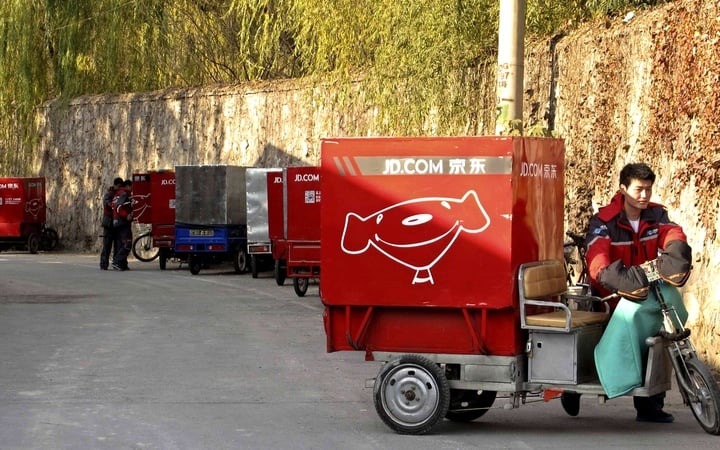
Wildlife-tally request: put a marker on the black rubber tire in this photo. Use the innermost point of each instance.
(570, 402)
(301, 286)
(706, 406)
(33, 243)
(411, 394)
(280, 272)
(254, 266)
(240, 261)
(195, 264)
(143, 249)
(461, 398)
(163, 257)
(49, 239)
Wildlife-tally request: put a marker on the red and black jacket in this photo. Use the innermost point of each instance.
(610, 237)
(107, 202)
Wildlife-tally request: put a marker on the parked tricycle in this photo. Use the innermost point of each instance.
(23, 214)
(468, 300)
(211, 216)
(297, 250)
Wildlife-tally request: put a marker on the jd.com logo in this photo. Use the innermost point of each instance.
(417, 240)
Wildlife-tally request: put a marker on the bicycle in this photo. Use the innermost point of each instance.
(142, 248)
(49, 239)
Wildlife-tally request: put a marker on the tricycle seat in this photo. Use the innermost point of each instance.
(544, 284)
(561, 342)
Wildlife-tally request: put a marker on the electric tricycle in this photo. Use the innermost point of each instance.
(469, 301)
(211, 216)
(296, 239)
(23, 214)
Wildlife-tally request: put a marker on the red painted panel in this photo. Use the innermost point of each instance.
(142, 202)
(22, 201)
(162, 196)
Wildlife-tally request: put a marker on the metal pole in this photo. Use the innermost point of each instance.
(511, 49)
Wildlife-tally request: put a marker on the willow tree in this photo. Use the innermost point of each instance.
(416, 58)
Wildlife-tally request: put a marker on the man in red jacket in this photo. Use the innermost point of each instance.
(122, 223)
(626, 233)
(108, 245)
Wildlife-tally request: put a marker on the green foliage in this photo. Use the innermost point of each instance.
(417, 58)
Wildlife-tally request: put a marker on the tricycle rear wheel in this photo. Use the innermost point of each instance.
(468, 405)
(301, 286)
(279, 272)
(33, 243)
(195, 264)
(240, 261)
(704, 401)
(411, 394)
(254, 266)
(163, 255)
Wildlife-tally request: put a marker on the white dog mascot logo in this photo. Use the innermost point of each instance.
(415, 233)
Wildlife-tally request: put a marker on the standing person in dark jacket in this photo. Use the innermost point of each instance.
(630, 231)
(108, 244)
(122, 222)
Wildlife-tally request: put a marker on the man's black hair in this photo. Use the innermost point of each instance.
(636, 171)
(127, 183)
(117, 181)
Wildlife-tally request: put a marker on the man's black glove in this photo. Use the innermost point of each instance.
(675, 262)
(629, 282)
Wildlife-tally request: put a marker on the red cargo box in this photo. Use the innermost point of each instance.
(142, 210)
(422, 239)
(154, 197)
(162, 197)
(302, 203)
(22, 206)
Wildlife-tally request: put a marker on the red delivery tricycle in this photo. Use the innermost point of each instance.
(466, 300)
(296, 245)
(23, 214)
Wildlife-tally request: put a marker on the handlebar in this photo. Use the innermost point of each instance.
(651, 272)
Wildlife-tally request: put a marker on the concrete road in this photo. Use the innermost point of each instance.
(151, 359)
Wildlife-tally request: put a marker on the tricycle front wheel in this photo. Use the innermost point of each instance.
(411, 394)
(704, 399)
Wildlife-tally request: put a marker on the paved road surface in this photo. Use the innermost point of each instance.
(150, 359)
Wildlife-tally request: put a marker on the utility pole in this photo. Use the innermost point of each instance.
(510, 65)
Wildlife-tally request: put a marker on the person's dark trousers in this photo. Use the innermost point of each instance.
(123, 243)
(108, 245)
(648, 405)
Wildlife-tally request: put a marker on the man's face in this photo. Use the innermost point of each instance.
(638, 193)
